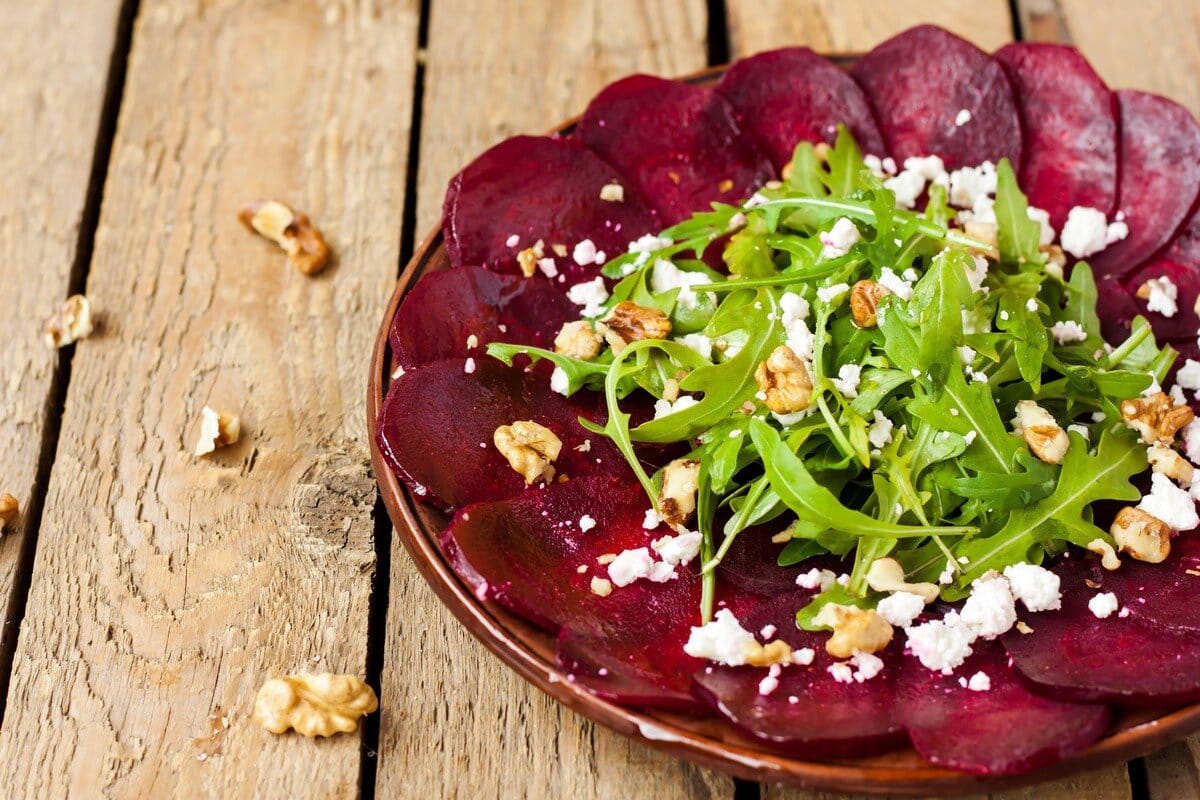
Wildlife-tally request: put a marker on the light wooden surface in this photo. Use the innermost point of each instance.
(164, 590)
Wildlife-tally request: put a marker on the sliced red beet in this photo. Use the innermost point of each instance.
(1160, 177)
(1185, 247)
(1116, 306)
(1073, 655)
(1069, 127)
(784, 97)
(1184, 323)
(677, 144)
(1164, 594)
(828, 718)
(437, 423)
(526, 554)
(752, 563)
(539, 187)
(1003, 730)
(920, 81)
(450, 305)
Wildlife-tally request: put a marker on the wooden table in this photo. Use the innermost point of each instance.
(148, 594)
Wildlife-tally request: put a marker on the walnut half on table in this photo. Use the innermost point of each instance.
(314, 705)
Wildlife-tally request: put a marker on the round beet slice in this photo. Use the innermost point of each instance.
(533, 555)
(448, 306)
(1164, 594)
(1160, 177)
(828, 718)
(1069, 126)
(1073, 655)
(677, 144)
(784, 97)
(539, 187)
(752, 563)
(437, 422)
(1000, 731)
(1185, 247)
(1186, 278)
(920, 81)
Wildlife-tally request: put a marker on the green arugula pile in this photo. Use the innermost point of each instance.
(954, 493)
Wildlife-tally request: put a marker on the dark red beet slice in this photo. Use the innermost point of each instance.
(1160, 177)
(1069, 126)
(525, 554)
(1116, 306)
(752, 564)
(1073, 655)
(437, 423)
(1184, 323)
(678, 144)
(829, 718)
(1185, 247)
(448, 306)
(1164, 594)
(920, 80)
(784, 97)
(1001, 731)
(539, 187)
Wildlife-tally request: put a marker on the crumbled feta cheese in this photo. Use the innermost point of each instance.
(895, 284)
(1031, 305)
(665, 276)
(979, 682)
(966, 354)
(723, 640)
(1037, 587)
(990, 609)
(645, 245)
(795, 308)
(867, 665)
(548, 267)
(848, 379)
(838, 240)
(589, 294)
(976, 276)
(767, 632)
(768, 684)
(804, 656)
(1188, 376)
(899, 609)
(928, 167)
(907, 186)
(969, 437)
(678, 549)
(1082, 430)
(1163, 296)
(1067, 332)
(978, 376)
(1103, 605)
(880, 431)
(815, 578)
(947, 576)
(629, 565)
(1191, 440)
(1042, 217)
(830, 293)
(584, 253)
(469, 366)
(652, 519)
(586, 523)
(943, 644)
(969, 185)
(664, 407)
(1168, 502)
(755, 200)
(841, 672)
(661, 572)
(1086, 232)
(512, 241)
(559, 381)
(962, 117)
(697, 342)
(799, 338)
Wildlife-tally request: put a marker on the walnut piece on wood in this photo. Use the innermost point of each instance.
(217, 430)
(8, 509)
(291, 230)
(314, 705)
(70, 323)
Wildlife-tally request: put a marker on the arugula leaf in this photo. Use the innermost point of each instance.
(1081, 300)
(580, 374)
(1017, 235)
(748, 253)
(844, 162)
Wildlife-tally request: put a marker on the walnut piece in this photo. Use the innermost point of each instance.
(612, 193)
(291, 230)
(1156, 418)
(853, 629)
(1168, 462)
(1143, 536)
(775, 651)
(784, 379)
(864, 300)
(8, 509)
(530, 449)
(314, 705)
(1108, 556)
(217, 430)
(578, 339)
(527, 259)
(70, 323)
(887, 575)
(1045, 437)
(680, 482)
(628, 322)
(982, 231)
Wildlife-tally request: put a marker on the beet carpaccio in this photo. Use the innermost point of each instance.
(850, 408)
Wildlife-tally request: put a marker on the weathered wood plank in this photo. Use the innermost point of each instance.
(167, 589)
(455, 722)
(56, 59)
(841, 27)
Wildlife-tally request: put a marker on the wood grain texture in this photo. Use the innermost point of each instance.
(167, 589)
(455, 722)
(839, 26)
(55, 58)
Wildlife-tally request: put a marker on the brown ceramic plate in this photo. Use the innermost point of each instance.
(530, 650)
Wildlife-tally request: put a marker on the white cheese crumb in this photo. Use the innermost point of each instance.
(880, 432)
(1042, 217)
(652, 520)
(1037, 587)
(931, 168)
(794, 308)
(1082, 430)
(678, 549)
(830, 293)
(767, 632)
(469, 366)
(663, 408)
(1103, 605)
(969, 437)
(698, 342)
(559, 381)
(979, 682)
(584, 253)
(901, 608)
(723, 640)
(978, 376)
(848, 379)
(895, 284)
(1086, 232)
(629, 565)
(966, 354)
(1168, 502)
(768, 685)
(512, 241)
(841, 672)
(1164, 296)
(548, 267)
(1067, 332)
(1191, 440)
(970, 185)
(816, 579)
(975, 279)
(962, 117)
(947, 576)
(941, 645)
(1031, 305)
(867, 665)
(838, 240)
(804, 656)
(990, 610)
(907, 186)
(589, 294)
(665, 276)
(586, 523)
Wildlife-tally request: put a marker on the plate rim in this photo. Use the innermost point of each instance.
(493, 626)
